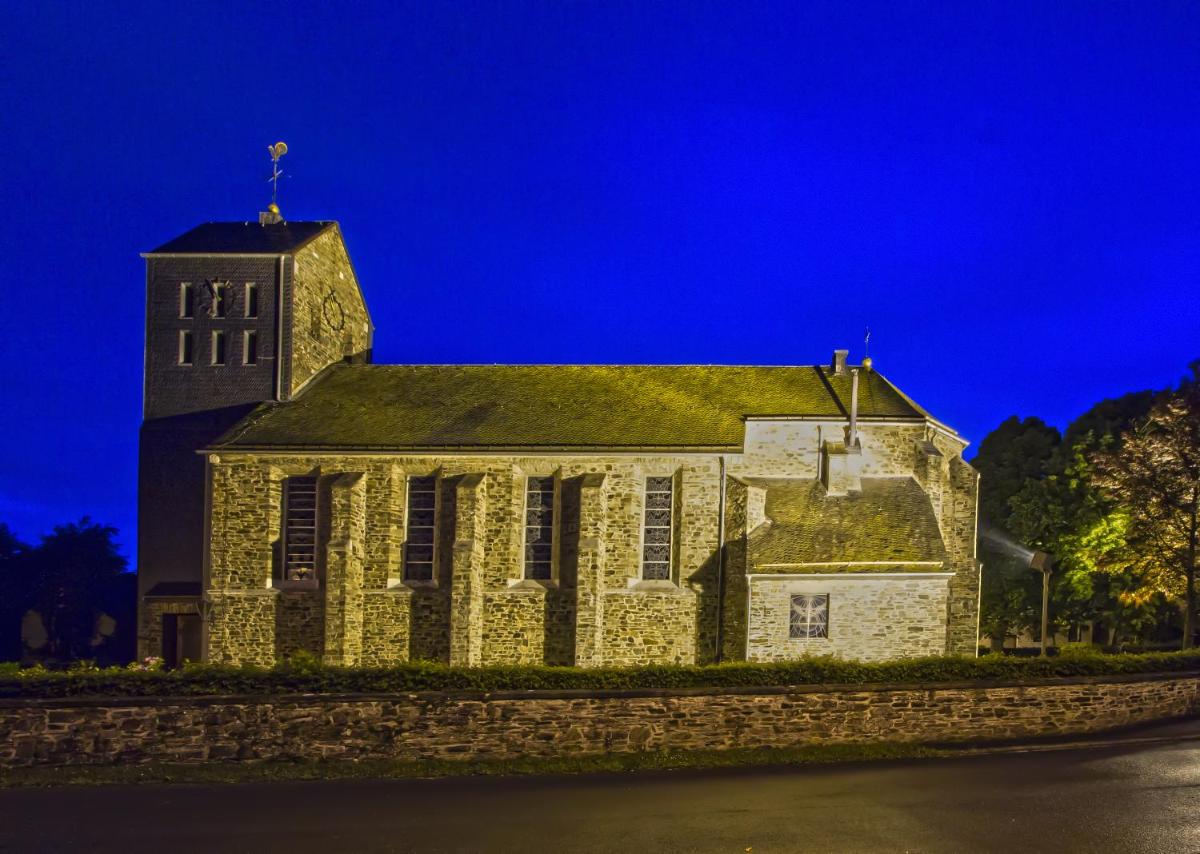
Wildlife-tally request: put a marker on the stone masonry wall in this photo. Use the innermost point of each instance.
(502, 617)
(329, 319)
(596, 609)
(870, 618)
(578, 723)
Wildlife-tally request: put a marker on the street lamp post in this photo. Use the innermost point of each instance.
(1042, 562)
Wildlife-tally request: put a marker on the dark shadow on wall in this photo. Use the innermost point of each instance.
(706, 582)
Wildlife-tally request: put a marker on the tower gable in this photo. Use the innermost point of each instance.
(326, 319)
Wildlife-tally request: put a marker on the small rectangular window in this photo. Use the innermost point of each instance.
(656, 530)
(185, 347)
(422, 528)
(187, 300)
(220, 299)
(251, 299)
(300, 529)
(810, 616)
(539, 528)
(218, 348)
(250, 347)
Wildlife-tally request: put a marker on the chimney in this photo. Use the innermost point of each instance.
(852, 436)
(839, 362)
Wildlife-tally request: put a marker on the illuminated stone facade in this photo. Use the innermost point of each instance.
(763, 490)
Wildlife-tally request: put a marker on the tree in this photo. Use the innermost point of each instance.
(13, 553)
(71, 578)
(1015, 452)
(1154, 478)
(1040, 492)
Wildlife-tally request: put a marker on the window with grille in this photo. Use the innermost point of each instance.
(185, 347)
(539, 528)
(187, 300)
(810, 616)
(422, 528)
(218, 348)
(251, 299)
(250, 347)
(656, 530)
(300, 530)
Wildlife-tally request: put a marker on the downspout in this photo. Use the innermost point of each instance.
(206, 563)
(279, 331)
(720, 562)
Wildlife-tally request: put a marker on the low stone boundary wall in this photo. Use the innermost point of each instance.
(503, 725)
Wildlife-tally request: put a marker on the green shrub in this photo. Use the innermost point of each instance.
(305, 674)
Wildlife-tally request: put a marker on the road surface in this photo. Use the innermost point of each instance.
(1139, 796)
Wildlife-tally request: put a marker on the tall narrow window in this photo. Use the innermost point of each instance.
(250, 347)
(218, 348)
(185, 347)
(220, 298)
(656, 530)
(810, 616)
(422, 528)
(300, 529)
(251, 299)
(187, 300)
(539, 528)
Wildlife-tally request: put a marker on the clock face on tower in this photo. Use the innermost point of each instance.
(331, 309)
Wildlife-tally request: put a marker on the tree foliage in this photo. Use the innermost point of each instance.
(1012, 454)
(1114, 501)
(71, 578)
(1044, 494)
(1153, 479)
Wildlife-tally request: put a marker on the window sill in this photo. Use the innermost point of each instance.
(297, 586)
(651, 585)
(532, 585)
(415, 584)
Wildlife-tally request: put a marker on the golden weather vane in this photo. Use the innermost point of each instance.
(277, 150)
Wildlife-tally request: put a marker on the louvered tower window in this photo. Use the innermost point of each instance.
(300, 530)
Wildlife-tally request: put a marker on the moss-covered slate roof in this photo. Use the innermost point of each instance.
(442, 406)
(890, 520)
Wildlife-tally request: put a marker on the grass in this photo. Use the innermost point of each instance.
(382, 769)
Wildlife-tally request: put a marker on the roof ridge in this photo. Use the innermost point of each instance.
(583, 365)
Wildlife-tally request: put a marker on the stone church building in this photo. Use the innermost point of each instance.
(295, 496)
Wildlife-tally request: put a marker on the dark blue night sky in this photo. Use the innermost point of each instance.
(1007, 193)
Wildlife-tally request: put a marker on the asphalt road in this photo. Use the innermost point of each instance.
(1135, 797)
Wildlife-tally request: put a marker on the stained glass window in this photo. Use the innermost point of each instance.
(422, 528)
(810, 616)
(300, 530)
(539, 528)
(656, 530)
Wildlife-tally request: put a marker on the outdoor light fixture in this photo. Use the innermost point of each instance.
(1043, 563)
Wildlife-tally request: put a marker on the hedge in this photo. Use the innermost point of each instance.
(305, 676)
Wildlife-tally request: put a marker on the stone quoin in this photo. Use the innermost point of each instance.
(293, 496)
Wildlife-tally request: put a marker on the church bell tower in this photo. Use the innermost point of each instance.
(238, 315)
